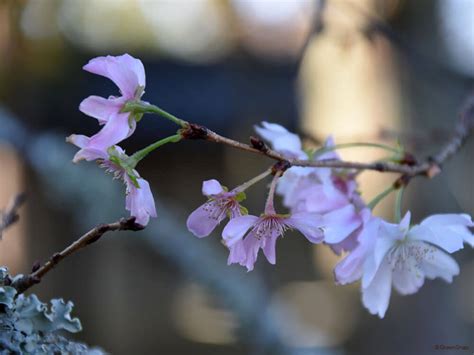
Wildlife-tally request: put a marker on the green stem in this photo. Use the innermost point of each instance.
(140, 107)
(252, 181)
(137, 156)
(380, 197)
(356, 145)
(398, 205)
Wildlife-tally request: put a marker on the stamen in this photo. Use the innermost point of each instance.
(400, 256)
(268, 225)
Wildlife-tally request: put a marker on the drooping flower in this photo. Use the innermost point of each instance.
(296, 177)
(221, 204)
(263, 234)
(128, 74)
(341, 206)
(246, 235)
(405, 256)
(139, 199)
(324, 191)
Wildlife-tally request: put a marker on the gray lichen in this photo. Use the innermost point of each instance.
(29, 326)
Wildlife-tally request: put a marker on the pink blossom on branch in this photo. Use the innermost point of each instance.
(290, 145)
(139, 200)
(220, 204)
(263, 234)
(404, 256)
(244, 245)
(332, 194)
(128, 74)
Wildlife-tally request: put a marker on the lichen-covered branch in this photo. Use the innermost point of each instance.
(27, 281)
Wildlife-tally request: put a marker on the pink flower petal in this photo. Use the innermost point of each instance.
(309, 224)
(269, 249)
(101, 108)
(201, 223)
(115, 130)
(140, 202)
(211, 187)
(78, 140)
(237, 253)
(339, 224)
(252, 246)
(323, 198)
(87, 152)
(236, 229)
(125, 71)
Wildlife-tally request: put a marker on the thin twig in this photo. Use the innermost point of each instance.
(429, 168)
(10, 215)
(27, 281)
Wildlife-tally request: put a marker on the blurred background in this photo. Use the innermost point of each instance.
(362, 70)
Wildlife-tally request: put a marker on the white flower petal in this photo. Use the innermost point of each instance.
(448, 231)
(372, 264)
(440, 264)
(448, 219)
(409, 278)
(376, 296)
(281, 139)
(447, 238)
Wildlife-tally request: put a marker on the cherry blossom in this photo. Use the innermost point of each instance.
(139, 199)
(128, 74)
(246, 235)
(318, 190)
(404, 256)
(220, 204)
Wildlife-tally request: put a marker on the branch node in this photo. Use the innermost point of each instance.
(55, 258)
(380, 167)
(194, 131)
(258, 144)
(36, 266)
(130, 224)
(408, 159)
(280, 166)
(402, 181)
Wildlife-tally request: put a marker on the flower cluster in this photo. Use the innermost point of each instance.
(325, 206)
(322, 203)
(129, 76)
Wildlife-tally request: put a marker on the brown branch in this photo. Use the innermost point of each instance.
(27, 281)
(409, 168)
(10, 215)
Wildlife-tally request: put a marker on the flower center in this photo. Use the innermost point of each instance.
(269, 225)
(218, 208)
(112, 168)
(407, 255)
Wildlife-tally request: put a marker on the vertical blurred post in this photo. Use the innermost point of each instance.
(349, 84)
(349, 88)
(12, 247)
